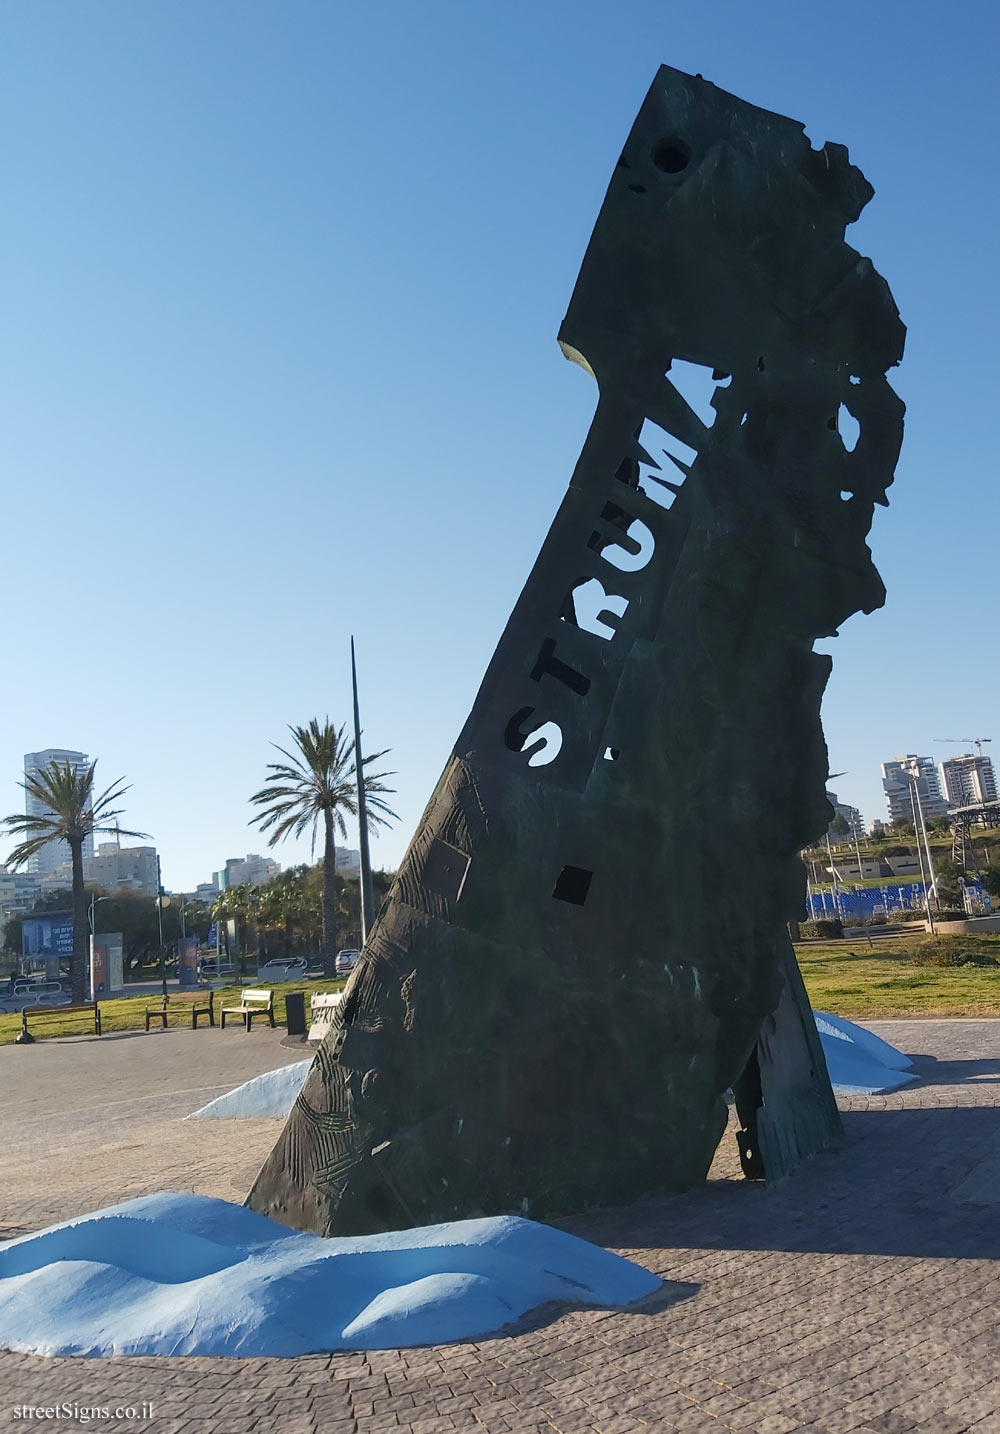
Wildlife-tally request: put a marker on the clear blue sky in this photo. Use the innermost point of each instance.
(281, 284)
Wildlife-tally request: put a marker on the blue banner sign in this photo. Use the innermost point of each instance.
(47, 935)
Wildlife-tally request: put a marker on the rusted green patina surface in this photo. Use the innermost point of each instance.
(551, 1005)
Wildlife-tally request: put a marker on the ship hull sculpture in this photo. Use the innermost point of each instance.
(552, 1003)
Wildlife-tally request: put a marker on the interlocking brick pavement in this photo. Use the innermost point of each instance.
(89, 1121)
(857, 1296)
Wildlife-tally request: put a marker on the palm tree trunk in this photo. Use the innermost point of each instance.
(81, 928)
(329, 949)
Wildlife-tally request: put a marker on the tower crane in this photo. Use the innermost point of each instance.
(976, 742)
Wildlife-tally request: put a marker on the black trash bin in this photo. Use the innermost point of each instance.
(295, 1013)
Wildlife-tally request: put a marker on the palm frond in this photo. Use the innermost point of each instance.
(113, 829)
(380, 814)
(318, 775)
(25, 850)
(28, 823)
(73, 813)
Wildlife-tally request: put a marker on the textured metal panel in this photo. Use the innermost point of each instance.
(551, 1006)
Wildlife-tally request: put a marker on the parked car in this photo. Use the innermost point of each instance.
(282, 968)
(346, 961)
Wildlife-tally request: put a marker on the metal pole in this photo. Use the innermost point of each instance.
(914, 798)
(833, 873)
(159, 918)
(861, 882)
(367, 890)
(927, 845)
(94, 901)
(93, 925)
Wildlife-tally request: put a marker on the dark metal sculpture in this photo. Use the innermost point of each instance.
(553, 1002)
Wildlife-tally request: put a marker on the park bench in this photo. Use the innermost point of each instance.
(253, 1002)
(51, 1013)
(207, 1008)
(323, 1005)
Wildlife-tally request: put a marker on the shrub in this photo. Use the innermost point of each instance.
(948, 956)
(826, 929)
(990, 879)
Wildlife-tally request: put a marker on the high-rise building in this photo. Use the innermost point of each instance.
(347, 863)
(18, 891)
(55, 852)
(899, 778)
(852, 817)
(122, 868)
(968, 780)
(252, 869)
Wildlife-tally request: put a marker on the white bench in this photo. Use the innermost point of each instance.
(253, 1002)
(322, 1006)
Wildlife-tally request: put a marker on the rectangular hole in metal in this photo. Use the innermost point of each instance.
(572, 885)
(611, 754)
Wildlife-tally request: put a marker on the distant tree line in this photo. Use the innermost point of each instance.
(285, 916)
(306, 909)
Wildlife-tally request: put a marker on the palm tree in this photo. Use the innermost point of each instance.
(319, 782)
(71, 814)
(291, 910)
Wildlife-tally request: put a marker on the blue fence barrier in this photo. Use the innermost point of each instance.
(863, 903)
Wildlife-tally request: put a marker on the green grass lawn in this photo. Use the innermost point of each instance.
(848, 883)
(129, 1012)
(909, 975)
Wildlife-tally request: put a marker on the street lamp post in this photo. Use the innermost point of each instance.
(186, 906)
(833, 872)
(930, 886)
(94, 899)
(367, 890)
(159, 920)
(861, 883)
(254, 904)
(857, 848)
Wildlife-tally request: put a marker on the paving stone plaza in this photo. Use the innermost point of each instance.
(857, 1295)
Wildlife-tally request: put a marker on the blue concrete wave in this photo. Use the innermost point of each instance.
(188, 1274)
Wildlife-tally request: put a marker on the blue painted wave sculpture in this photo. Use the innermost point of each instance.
(859, 1062)
(188, 1274)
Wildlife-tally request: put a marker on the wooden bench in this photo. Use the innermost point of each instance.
(252, 1003)
(49, 1013)
(159, 1013)
(323, 1005)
